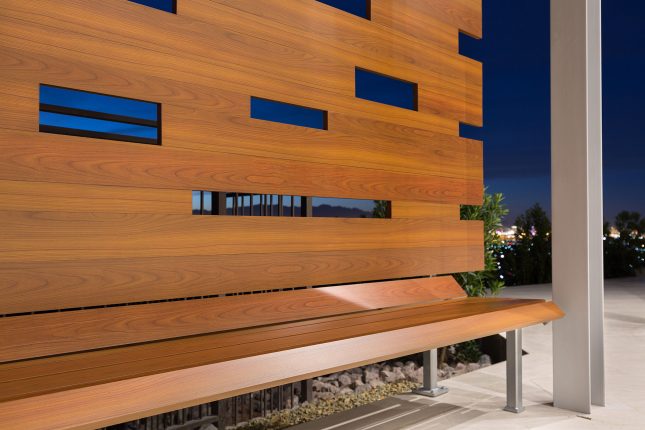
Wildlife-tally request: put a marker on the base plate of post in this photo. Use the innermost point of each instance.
(433, 392)
(514, 409)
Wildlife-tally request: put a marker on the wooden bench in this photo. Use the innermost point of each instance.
(125, 275)
(92, 368)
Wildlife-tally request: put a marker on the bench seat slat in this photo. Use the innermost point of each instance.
(36, 377)
(29, 336)
(120, 401)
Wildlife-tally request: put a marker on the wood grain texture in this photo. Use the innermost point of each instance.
(60, 236)
(133, 34)
(408, 209)
(443, 76)
(129, 399)
(465, 15)
(61, 197)
(91, 223)
(37, 376)
(239, 340)
(226, 115)
(36, 285)
(420, 25)
(31, 336)
(29, 286)
(70, 159)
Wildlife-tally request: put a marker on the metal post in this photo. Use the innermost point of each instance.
(431, 386)
(514, 371)
(576, 182)
(219, 203)
(307, 390)
(306, 206)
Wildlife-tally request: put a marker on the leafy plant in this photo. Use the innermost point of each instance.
(530, 260)
(381, 209)
(487, 281)
(625, 255)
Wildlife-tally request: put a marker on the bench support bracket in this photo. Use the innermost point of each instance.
(431, 386)
(514, 371)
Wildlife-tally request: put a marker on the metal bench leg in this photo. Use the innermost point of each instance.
(514, 371)
(430, 387)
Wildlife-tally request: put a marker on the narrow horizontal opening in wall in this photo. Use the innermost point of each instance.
(385, 89)
(209, 296)
(286, 113)
(82, 113)
(165, 5)
(246, 204)
(362, 8)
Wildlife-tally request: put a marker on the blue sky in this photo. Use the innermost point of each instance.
(516, 132)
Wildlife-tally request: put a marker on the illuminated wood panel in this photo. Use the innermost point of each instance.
(92, 222)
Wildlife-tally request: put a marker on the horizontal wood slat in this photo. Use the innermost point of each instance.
(34, 377)
(133, 398)
(447, 81)
(195, 127)
(239, 340)
(466, 15)
(408, 209)
(28, 286)
(31, 336)
(329, 26)
(70, 159)
(324, 77)
(60, 197)
(422, 26)
(58, 236)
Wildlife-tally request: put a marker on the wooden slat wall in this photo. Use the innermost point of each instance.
(31, 336)
(89, 222)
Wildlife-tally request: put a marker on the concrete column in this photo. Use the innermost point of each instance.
(576, 173)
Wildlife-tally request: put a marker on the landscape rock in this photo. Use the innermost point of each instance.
(388, 376)
(345, 380)
(410, 370)
(398, 374)
(472, 367)
(371, 373)
(357, 382)
(345, 390)
(362, 388)
(484, 360)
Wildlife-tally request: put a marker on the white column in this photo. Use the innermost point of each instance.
(576, 174)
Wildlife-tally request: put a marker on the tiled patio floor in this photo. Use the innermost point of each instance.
(475, 400)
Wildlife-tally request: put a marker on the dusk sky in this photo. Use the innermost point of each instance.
(516, 132)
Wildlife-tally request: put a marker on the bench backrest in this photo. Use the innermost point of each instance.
(93, 221)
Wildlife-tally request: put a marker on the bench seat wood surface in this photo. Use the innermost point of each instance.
(117, 384)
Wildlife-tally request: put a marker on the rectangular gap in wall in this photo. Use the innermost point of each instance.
(165, 5)
(82, 113)
(246, 204)
(385, 89)
(286, 113)
(471, 131)
(470, 46)
(362, 8)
